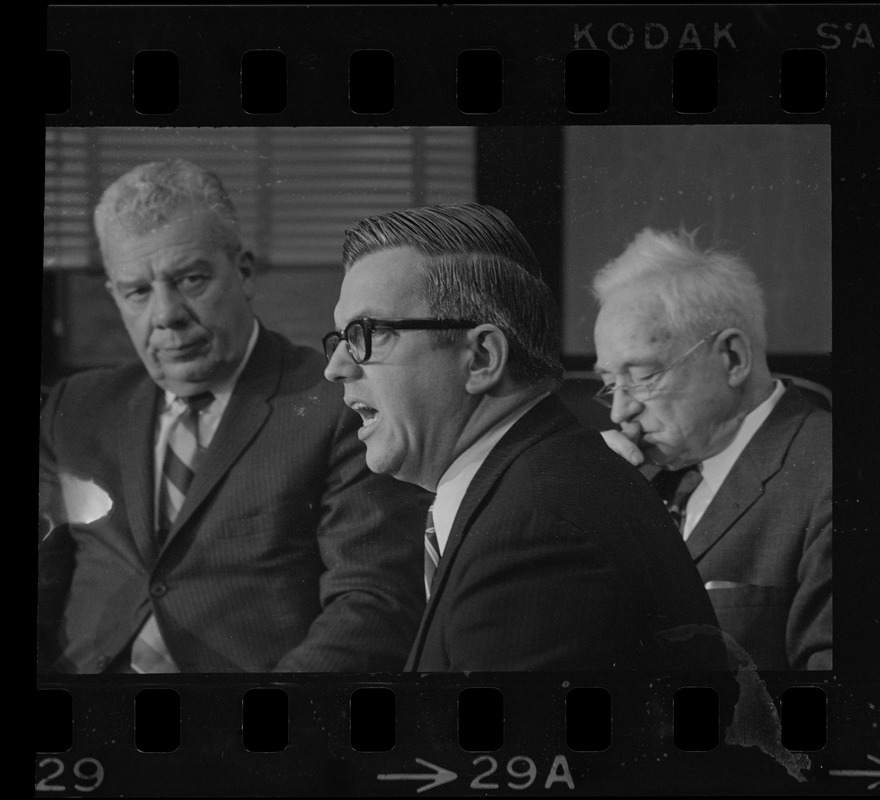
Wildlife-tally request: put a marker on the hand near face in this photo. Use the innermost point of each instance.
(621, 443)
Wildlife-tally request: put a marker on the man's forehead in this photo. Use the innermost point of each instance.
(631, 328)
(381, 282)
(181, 237)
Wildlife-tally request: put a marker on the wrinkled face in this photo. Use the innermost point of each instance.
(410, 395)
(184, 302)
(691, 414)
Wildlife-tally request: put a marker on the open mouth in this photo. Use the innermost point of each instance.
(369, 415)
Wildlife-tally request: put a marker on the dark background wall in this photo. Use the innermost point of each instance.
(763, 191)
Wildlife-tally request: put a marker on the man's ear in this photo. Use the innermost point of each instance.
(488, 351)
(736, 349)
(246, 267)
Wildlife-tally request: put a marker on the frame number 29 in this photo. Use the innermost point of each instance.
(88, 775)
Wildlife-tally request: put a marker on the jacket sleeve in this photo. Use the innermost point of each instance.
(370, 539)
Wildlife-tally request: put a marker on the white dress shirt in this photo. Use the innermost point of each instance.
(453, 484)
(715, 469)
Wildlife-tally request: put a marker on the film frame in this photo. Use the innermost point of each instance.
(319, 759)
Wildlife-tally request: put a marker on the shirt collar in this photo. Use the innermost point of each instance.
(454, 483)
(715, 468)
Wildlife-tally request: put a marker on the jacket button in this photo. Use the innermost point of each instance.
(158, 589)
(102, 662)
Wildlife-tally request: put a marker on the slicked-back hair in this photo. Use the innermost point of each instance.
(476, 265)
(150, 195)
(441, 230)
(701, 289)
(495, 290)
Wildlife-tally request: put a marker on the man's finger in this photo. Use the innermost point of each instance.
(621, 445)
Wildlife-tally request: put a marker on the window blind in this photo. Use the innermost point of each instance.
(296, 189)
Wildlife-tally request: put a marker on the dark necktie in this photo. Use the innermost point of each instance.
(432, 552)
(149, 654)
(675, 487)
(182, 455)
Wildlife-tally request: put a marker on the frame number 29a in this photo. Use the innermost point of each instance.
(521, 773)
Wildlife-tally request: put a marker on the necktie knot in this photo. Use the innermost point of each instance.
(198, 402)
(675, 488)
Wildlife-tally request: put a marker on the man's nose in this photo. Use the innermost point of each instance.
(623, 406)
(341, 366)
(169, 309)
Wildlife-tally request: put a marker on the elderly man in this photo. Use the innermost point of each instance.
(745, 460)
(544, 550)
(213, 513)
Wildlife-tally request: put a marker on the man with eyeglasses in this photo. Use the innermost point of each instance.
(208, 508)
(543, 549)
(681, 347)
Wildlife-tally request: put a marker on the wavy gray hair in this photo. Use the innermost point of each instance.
(149, 195)
(701, 289)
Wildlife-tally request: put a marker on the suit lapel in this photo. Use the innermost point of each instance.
(246, 413)
(743, 485)
(545, 418)
(136, 445)
(761, 459)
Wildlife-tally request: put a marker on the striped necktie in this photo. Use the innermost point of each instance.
(432, 552)
(675, 488)
(182, 455)
(149, 654)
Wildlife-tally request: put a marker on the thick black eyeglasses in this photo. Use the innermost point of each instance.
(358, 334)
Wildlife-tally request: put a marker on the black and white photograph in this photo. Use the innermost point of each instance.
(448, 458)
(287, 553)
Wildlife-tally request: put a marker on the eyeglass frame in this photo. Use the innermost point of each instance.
(605, 395)
(370, 324)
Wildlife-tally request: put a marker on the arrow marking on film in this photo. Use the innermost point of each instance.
(438, 778)
(860, 773)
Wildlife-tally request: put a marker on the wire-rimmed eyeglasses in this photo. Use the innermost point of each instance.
(358, 334)
(644, 389)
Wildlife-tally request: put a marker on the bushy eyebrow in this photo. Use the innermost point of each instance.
(199, 264)
(189, 266)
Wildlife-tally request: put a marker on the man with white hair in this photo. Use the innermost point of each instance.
(744, 459)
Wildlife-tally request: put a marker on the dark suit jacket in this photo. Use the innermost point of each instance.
(562, 557)
(768, 530)
(288, 554)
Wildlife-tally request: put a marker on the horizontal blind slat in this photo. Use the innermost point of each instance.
(314, 182)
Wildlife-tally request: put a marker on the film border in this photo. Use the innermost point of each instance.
(533, 42)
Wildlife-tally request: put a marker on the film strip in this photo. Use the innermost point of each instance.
(512, 69)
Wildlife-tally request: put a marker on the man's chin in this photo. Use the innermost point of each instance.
(183, 379)
(672, 463)
(379, 462)
(654, 455)
(383, 463)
